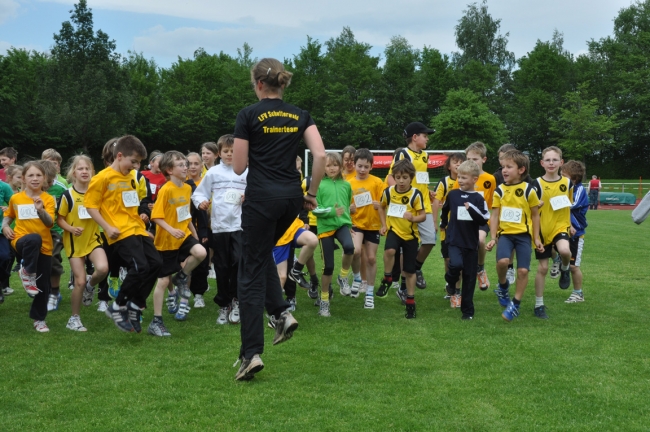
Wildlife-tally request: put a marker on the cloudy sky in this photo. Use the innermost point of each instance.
(166, 29)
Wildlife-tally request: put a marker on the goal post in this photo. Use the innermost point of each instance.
(382, 160)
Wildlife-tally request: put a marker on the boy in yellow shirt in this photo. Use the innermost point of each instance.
(112, 201)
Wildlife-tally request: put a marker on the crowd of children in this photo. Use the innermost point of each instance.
(165, 228)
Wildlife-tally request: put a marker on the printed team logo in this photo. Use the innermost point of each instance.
(487, 184)
(405, 200)
(519, 192)
(563, 188)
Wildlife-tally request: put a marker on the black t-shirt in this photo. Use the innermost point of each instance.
(273, 130)
(462, 225)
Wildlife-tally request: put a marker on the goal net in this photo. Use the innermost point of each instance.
(382, 160)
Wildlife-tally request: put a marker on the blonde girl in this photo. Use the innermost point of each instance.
(33, 211)
(15, 177)
(81, 238)
(209, 155)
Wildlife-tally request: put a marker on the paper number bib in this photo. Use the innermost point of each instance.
(183, 213)
(396, 210)
(560, 202)
(509, 214)
(130, 198)
(232, 196)
(83, 213)
(463, 214)
(27, 211)
(362, 199)
(152, 187)
(422, 177)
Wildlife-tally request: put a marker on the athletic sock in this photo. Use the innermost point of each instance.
(298, 267)
(388, 277)
(511, 267)
(515, 301)
(575, 291)
(539, 301)
(418, 265)
(564, 267)
(370, 290)
(357, 276)
(324, 295)
(55, 291)
(344, 273)
(410, 299)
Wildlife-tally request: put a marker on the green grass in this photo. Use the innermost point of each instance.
(586, 368)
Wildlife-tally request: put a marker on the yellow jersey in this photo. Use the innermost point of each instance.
(21, 209)
(290, 233)
(172, 205)
(117, 198)
(305, 187)
(71, 207)
(420, 161)
(555, 213)
(514, 203)
(364, 192)
(409, 201)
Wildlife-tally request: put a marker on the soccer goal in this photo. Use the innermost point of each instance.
(383, 158)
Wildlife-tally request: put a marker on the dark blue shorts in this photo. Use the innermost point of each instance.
(520, 243)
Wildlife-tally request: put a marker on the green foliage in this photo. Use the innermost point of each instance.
(465, 118)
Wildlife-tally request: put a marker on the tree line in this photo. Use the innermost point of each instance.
(594, 106)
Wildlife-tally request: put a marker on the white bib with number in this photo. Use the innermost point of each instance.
(82, 212)
(183, 213)
(152, 187)
(510, 214)
(130, 198)
(232, 196)
(396, 210)
(27, 211)
(422, 178)
(463, 214)
(363, 199)
(560, 202)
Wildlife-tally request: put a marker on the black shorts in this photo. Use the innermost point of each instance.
(369, 236)
(313, 229)
(172, 259)
(444, 249)
(485, 228)
(576, 244)
(548, 248)
(409, 250)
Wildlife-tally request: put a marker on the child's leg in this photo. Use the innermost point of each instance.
(38, 310)
(57, 263)
(364, 262)
(502, 270)
(523, 250)
(522, 282)
(282, 272)
(576, 275)
(345, 239)
(100, 263)
(370, 253)
(327, 249)
(223, 264)
(78, 268)
(482, 235)
(409, 256)
(470, 260)
(540, 277)
(308, 243)
(564, 250)
(159, 295)
(197, 255)
(357, 239)
(389, 262)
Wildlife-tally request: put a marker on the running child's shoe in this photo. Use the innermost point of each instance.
(102, 306)
(199, 301)
(223, 315)
(88, 294)
(419, 280)
(370, 302)
(565, 279)
(324, 309)
(540, 312)
(344, 285)
(120, 317)
(157, 328)
(74, 324)
(455, 300)
(363, 288)
(292, 304)
(284, 327)
(555, 267)
(382, 292)
(575, 298)
(356, 287)
(135, 316)
(113, 287)
(41, 327)
(233, 316)
(511, 275)
(394, 285)
(183, 311)
(503, 295)
(29, 282)
(7, 291)
(511, 312)
(483, 281)
(249, 368)
(313, 290)
(401, 295)
(172, 302)
(410, 311)
(182, 283)
(299, 278)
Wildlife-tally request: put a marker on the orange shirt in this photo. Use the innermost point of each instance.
(21, 209)
(172, 205)
(366, 217)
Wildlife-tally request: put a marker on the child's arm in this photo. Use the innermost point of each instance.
(6, 227)
(444, 216)
(419, 217)
(494, 226)
(110, 231)
(535, 216)
(202, 195)
(480, 216)
(43, 215)
(76, 231)
(193, 231)
(176, 233)
(382, 219)
(435, 206)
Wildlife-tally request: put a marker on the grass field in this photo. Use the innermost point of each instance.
(586, 368)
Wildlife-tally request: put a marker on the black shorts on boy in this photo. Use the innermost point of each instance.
(409, 250)
(172, 259)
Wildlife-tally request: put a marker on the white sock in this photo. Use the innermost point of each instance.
(370, 290)
(539, 301)
(357, 276)
(564, 267)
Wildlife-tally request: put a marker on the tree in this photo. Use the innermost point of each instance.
(465, 118)
(86, 95)
(144, 83)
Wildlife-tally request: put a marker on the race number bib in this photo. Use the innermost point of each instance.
(152, 187)
(130, 198)
(183, 213)
(232, 196)
(362, 199)
(560, 202)
(422, 177)
(396, 210)
(509, 214)
(463, 214)
(83, 213)
(27, 211)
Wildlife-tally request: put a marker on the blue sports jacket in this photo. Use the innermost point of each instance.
(579, 209)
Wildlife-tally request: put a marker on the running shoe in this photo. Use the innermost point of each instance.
(183, 311)
(356, 287)
(157, 328)
(249, 368)
(102, 306)
(113, 287)
(135, 316)
(540, 312)
(344, 285)
(7, 291)
(401, 295)
(503, 295)
(555, 267)
(565, 279)
(120, 317)
(575, 298)
(313, 290)
(511, 312)
(182, 283)
(271, 322)
(223, 315)
(41, 327)
(199, 301)
(363, 288)
(299, 278)
(419, 280)
(467, 317)
(74, 324)
(483, 281)
(233, 316)
(511, 275)
(284, 327)
(410, 311)
(382, 292)
(292, 304)
(87, 297)
(455, 300)
(370, 302)
(324, 310)
(172, 302)
(29, 282)
(53, 302)
(394, 285)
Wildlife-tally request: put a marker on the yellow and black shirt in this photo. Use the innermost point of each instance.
(410, 201)
(555, 213)
(420, 161)
(172, 205)
(71, 207)
(514, 203)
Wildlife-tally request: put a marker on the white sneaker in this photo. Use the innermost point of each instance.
(223, 315)
(52, 303)
(370, 302)
(510, 276)
(199, 302)
(292, 304)
(211, 273)
(87, 297)
(356, 287)
(324, 310)
(344, 285)
(7, 291)
(102, 306)
(364, 287)
(233, 316)
(41, 327)
(74, 324)
(395, 285)
(555, 268)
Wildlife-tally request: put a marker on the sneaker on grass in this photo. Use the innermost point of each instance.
(292, 304)
(74, 324)
(575, 298)
(565, 279)
(483, 281)
(183, 311)
(555, 267)
(299, 278)
(284, 327)
(401, 295)
(53, 302)
(511, 312)
(233, 316)
(157, 328)
(324, 309)
(88, 294)
(313, 290)
(41, 327)
(419, 280)
(540, 312)
(223, 315)
(134, 314)
(356, 287)
(29, 282)
(344, 285)
(382, 292)
(102, 306)
(199, 301)
(172, 302)
(248, 368)
(503, 295)
(119, 316)
(410, 311)
(370, 302)
(7, 291)
(511, 276)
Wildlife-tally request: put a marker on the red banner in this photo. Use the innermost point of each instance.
(435, 161)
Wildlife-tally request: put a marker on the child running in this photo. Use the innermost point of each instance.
(176, 241)
(464, 214)
(555, 194)
(33, 211)
(367, 223)
(406, 210)
(333, 213)
(112, 200)
(513, 225)
(81, 239)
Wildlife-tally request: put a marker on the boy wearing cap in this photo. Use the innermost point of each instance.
(417, 136)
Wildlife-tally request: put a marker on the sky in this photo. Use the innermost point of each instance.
(168, 29)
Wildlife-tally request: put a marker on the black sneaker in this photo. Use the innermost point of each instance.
(284, 327)
(249, 368)
(410, 311)
(450, 290)
(382, 292)
(467, 317)
(134, 314)
(565, 279)
(299, 278)
(419, 280)
(313, 290)
(120, 317)
(401, 295)
(540, 312)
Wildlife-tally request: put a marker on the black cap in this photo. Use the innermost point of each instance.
(416, 128)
